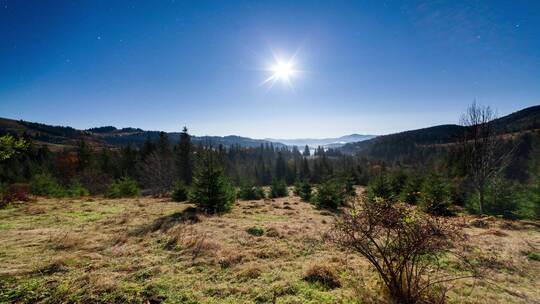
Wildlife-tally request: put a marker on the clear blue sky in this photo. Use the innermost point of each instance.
(364, 66)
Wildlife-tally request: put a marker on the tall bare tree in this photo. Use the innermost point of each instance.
(157, 173)
(485, 154)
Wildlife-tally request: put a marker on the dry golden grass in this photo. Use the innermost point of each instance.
(151, 250)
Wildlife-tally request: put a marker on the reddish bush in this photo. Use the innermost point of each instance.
(15, 193)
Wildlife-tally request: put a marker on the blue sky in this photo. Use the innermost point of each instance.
(370, 67)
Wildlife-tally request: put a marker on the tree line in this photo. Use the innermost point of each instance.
(482, 172)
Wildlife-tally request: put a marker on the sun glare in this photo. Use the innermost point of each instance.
(282, 71)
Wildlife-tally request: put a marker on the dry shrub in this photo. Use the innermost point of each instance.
(124, 218)
(479, 223)
(511, 226)
(35, 210)
(119, 239)
(403, 245)
(178, 236)
(323, 274)
(198, 244)
(272, 232)
(15, 193)
(249, 273)
(228, 258)
(283, 288)
(65, 240)
(56, 266)
(495, 232)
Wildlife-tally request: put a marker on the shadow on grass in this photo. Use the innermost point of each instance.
(164, 223)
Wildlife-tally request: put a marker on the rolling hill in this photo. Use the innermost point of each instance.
(387, 146)
(60, 136)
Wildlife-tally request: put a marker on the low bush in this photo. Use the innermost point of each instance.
(322, 274)
(379, 187)
(180, 192)
(435, 198)
(412, 190)
(278, 189)
(255, 231)
(76, 190)
(532, 255)
(45, 185)
(259, 192)
(397, 181)
(331, 194)
(303, 190)
(350, 182)
(123, 187)
(14, 193)
(250, 192)
(403, 246)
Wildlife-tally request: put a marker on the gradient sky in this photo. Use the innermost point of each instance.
(368, 67)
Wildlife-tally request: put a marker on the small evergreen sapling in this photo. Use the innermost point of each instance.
(211, 191)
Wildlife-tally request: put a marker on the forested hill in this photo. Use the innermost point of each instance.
(60, 136)
(386, 147)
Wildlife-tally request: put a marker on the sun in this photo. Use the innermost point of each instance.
(282, 70)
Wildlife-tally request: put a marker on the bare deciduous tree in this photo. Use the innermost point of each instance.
(483, 149)
(158, 173)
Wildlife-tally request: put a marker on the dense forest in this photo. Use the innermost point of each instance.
(406, 166)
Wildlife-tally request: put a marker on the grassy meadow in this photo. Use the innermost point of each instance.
(149, 250)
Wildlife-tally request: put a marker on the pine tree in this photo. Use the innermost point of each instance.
(306, 151)
(163, 145)
(211, 191)
(183, 157)
(281, 167)
(128, 161)
(147, 148)
(304, 169)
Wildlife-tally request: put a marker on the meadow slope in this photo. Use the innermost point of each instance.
(148, 250)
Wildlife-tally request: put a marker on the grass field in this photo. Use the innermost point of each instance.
(147, 250)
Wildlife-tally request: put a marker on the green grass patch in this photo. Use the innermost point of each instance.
(260, 217)
(255, 231)
(85, 216)
(533, 255)
(5, 226)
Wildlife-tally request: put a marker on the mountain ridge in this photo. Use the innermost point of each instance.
(113, 136)
(526, 119)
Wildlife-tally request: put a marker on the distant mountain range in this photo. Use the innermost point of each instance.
(333, 142)
(386, 147)
(60, 136)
